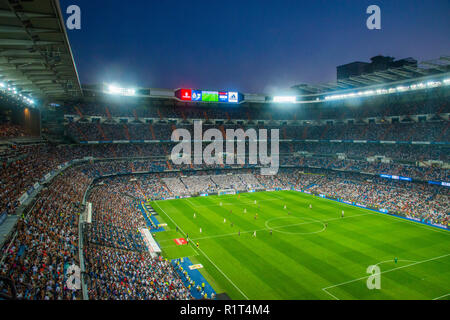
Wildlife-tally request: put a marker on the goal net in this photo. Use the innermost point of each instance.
(227, 191)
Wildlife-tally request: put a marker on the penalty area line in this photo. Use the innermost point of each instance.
(325, 290)
(443, 296)
(387, 271)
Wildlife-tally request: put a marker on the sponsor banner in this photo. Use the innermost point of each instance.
(196, 95)
(203, 194)
(23, 198)
(438, 225)
(186, 94)
(223, 96)
(180, 241)
(151, 244)
(195, 266)
(388, 176)
(233, 97)
(270, 190)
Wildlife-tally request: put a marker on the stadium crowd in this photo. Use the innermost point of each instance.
(118, 265)
(431, 103)
(24, 165)
(45, 245)
(116, 274)
(413, 131)
(46, 242)
(10, 130)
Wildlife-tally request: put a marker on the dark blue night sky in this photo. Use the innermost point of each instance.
(249, 46)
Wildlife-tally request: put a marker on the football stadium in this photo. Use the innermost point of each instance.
(336, 190)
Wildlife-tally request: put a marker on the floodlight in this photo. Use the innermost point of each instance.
(290, 99)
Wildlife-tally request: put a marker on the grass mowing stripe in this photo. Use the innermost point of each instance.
(417, 224)
(181, 230)
(390, 270)
(284, 226)
(298, 266)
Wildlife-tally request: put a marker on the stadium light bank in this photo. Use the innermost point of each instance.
(284, 99)
(116, 90)
(15, 93)
(402, 88)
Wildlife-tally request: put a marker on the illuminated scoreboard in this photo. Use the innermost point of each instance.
(208, 96)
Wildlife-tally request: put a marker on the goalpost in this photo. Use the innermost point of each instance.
(226, 191)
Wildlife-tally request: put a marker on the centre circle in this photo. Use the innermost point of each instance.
(301, 223)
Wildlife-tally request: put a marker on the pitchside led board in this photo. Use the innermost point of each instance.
(208, 96)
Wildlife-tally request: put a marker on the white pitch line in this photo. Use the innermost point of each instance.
(229, 203)
(193, 204)
(390, 270)
(285, 226)
(325, 290)
(448, 294)
(379, 214)
(174, 224)
(224, 274)
(206, 255)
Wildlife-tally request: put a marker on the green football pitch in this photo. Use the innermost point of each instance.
(302, 252)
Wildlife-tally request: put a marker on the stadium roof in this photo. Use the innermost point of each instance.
(402, 74)
(35, 53)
